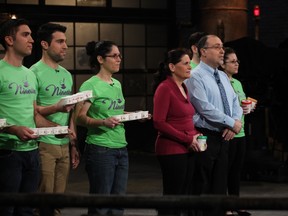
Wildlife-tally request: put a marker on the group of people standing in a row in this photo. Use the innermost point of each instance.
(197, 89)
(30, 98)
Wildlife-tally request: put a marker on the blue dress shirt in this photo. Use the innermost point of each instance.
(206, 99)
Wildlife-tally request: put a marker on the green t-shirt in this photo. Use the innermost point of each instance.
(237, 86)
(107, 101)
(52, 86)
(18, 92)
(193, 65)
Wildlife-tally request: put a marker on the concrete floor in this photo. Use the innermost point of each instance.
(145, 179)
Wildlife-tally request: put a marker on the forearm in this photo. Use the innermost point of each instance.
(73, 131)
(86, 121)
(47, 110)
(43, 122)
(10, 130)
(72, 123)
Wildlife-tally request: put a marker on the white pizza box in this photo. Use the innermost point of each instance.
(132, 116)
(68, 100)
(87, 94)
(144, 114)
(125, 117)
(3, 122)
(122, 118)
(141, 114)
(50, 130)
(118, 117)
(76, 98)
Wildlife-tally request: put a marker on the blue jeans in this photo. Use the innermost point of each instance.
(19, 173)
(107, 171)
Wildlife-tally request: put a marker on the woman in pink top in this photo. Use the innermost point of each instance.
(172, 115)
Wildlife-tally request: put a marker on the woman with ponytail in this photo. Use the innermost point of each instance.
(176, 142)
(106, 153)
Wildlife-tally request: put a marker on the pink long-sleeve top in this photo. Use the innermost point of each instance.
(173, 118)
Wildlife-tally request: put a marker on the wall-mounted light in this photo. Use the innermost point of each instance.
(256, 12)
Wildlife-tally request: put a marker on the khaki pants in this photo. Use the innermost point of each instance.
(55, 165)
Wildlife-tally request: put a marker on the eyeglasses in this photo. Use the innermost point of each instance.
(115, 56)
(217, 47)
(233, 62)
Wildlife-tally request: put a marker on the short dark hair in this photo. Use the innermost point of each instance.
(10, 28)
(46, 30)
(202, 43)
(195, 37)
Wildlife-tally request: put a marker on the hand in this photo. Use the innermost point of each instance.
(194, 145)
(246, 110)
(149, 116)
(75, 156)
(254, 107)
(72, 137)
(22, 132)
(237, 126)
(111, 122)
(228, 134)
(60, 107)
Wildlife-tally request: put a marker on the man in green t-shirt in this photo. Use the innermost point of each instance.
(192, 43)
(195, 59)
(54, 82)
(19, 161)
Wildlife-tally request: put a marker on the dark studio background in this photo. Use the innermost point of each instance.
(263, 68)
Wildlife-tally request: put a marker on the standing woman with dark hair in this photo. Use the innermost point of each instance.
(237, 146)
(106, 152)
(177, 137)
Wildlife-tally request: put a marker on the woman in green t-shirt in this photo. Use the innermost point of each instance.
(237, 146)
(106, 153)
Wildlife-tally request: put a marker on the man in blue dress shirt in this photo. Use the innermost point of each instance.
(210, 119)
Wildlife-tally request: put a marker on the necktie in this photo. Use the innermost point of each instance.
(223, 94)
